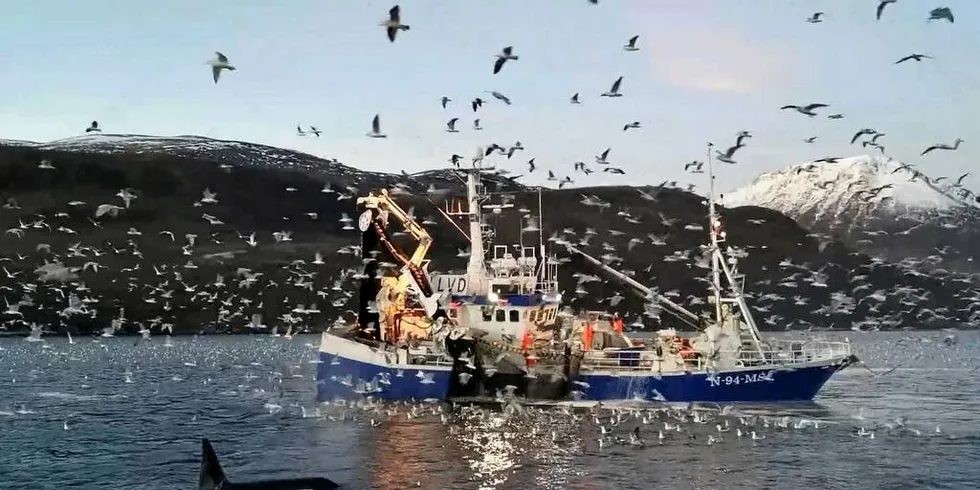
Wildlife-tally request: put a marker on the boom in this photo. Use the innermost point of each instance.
(684, 312)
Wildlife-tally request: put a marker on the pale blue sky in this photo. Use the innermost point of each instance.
(705, 69)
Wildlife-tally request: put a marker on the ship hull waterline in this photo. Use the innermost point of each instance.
(348, 369)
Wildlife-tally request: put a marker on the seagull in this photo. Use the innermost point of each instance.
(451, 125)
(376, 128)
(574, 99)
(505, 54)
(93, 127)
(941, 13)
(220, 62)
(445, 100)
(299, 131)
(315, 131)
(881, 7)
(631, 44)
(394, 23)
(633, 125)
(807, 109)
(815, 18)
(501, 97)
(614, 90)
(45, 164)
(476, 125)
(942, 146)
(913, 56)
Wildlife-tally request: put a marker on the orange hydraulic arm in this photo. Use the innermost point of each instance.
(384, 202)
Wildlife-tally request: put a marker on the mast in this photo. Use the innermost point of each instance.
(713, 222)
(719, 268)
(476, 269)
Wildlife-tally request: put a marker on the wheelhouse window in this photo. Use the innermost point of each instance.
(515, 316)
(501, 315)
(487, 314)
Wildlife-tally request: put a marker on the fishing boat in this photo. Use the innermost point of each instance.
(500, 327)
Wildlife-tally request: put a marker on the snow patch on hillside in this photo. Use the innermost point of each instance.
(855, 184)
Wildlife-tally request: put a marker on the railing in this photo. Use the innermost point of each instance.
(775, 353)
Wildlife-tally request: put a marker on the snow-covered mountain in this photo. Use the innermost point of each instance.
(877, 205)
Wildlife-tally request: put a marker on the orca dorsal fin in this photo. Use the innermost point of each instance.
(212, 476)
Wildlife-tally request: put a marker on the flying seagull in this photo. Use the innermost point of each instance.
(574, 99)
(501, 97)
(941, 13)
(913, 56)
(451, 125)
(376, 128)
(807, 109)
(445, 100)
(942, 146)
(631, 44)
(505, 54)
(881, 7)
(614, 90)
(394, 23)
(815, 18)
(220, 62)
(94, 127)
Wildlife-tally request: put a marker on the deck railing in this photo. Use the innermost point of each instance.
(775, 353)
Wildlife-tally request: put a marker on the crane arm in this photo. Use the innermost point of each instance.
(413, 264)
(629, 280)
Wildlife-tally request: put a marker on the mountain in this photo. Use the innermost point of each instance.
(177, 256)
(878, 206)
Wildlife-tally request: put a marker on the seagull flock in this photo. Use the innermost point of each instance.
(236, 308)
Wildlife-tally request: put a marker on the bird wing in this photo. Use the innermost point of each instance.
(881, 8)
(811, 107)
(222, 58)
(789, 107)
(376, 124)
(391, 33)
(633, 39)
(215, 73)
(906, 58)
(497, 65)
(508, 50)
(616, 84)
(927, 150)
(395, 14)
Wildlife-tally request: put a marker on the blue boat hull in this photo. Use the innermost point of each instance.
(350, 375)
(759, 385)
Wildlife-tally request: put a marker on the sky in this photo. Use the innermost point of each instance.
(705, 70)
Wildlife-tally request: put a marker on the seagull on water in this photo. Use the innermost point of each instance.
(394, 23)
(376, 128)
(220, 62)
(504, 55)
